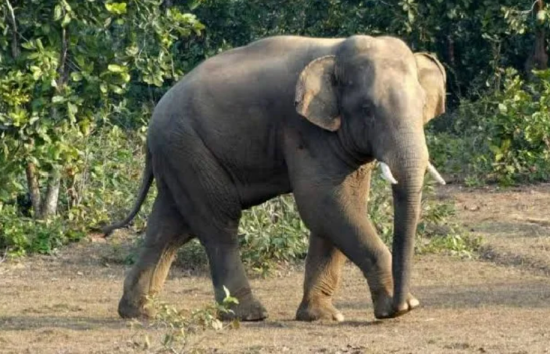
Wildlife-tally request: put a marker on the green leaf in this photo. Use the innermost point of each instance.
(115, 68)
(541, 16)
(66, 20)
(57, 12)
(125, 77)
(72, 109)
(28, 45)
(36, 72)
(76, 76)
(117, 8)
(116, 89)
(132, 51)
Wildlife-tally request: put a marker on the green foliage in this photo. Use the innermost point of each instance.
(503, 137)
(437, 232)
(110, 170)
(71, 72)
(21, 235)
(272, 233)
(110, 174)
(182, 330)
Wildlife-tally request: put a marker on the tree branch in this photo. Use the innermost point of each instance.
(62, 68)
(15, 51)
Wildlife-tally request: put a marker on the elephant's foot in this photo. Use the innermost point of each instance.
(318, 309)
(248, 309)
(385, 308)
(135, 309)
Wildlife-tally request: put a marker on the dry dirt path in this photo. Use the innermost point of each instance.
(67, 304)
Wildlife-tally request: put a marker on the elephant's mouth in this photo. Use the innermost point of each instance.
(388, 176)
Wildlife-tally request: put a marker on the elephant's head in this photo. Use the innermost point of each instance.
(377, 95)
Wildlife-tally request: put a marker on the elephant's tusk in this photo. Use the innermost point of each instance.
(386, 173)
(435, 174)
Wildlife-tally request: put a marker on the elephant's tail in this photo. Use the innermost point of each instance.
(146, 182)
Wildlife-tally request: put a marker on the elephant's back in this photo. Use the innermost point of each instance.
(255, 79)
(254, 82)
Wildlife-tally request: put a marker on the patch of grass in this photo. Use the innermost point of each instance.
(439, 233)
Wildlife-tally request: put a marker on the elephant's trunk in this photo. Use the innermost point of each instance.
(408, 162)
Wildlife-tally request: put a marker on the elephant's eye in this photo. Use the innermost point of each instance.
(366, 109)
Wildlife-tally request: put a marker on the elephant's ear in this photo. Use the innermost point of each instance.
(316, 94)
(433, 79)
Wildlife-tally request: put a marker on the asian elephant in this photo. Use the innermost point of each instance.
(288, 114)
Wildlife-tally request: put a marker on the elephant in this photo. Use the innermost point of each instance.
(290, 114)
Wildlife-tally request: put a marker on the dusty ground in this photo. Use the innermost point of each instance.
(499, 303)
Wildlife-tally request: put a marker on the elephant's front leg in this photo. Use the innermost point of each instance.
(341, 215)
(322, 279)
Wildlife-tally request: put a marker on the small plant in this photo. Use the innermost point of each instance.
(181, 330)
(439, 233)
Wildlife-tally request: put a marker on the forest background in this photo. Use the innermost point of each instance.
(79, 80)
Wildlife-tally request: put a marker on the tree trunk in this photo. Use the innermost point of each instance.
(451, 51)
(539, 58)
(49, 205)
(34, 188)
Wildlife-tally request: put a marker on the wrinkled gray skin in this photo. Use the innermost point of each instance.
(290, 114)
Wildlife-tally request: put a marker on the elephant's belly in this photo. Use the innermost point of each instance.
(254, 193)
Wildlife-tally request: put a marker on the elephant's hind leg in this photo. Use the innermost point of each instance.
(323, 273)
(207, 197)
(166, 232)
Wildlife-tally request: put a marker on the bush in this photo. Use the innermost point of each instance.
(272, 233)
(21, 235)
(109, 173)
(503, 137)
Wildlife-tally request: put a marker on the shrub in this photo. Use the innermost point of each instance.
(21, 235)
(109, 173)
(271, 233)
(503, 137)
